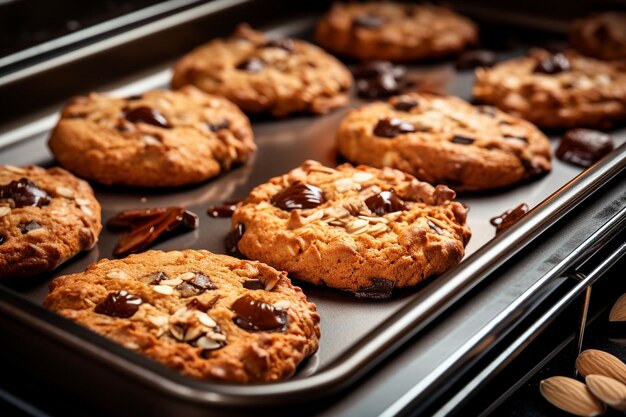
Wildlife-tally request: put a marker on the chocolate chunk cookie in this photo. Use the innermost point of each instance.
(208, 316)
(601, 36)
(46, 217)
(560, 90)
(362, 229)
(161, 138)
(393, 31)
(260, 75)
(445, 140)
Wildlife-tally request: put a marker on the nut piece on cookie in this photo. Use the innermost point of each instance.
(445, 140)
(393, 31)
(208, 316)
(556, 91)
(262, 75)
(602, 35)
(47, 216)
(359, 229)
(158, 139)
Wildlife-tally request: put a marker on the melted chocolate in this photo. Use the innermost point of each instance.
(27, 227)
(24, 193)
(214, 127)
(380, 289)
(233, 238)
(406, 104)
(508, 218)
(146, 115)
(436, 228)
(146, 226)
(257, 316)
(367, 21)
(385, 202)
(253, 284)
(299, 196)
(225, 210)
(195, 286)
(119, 304)
(462, 140)
(252, 64)
(553, 64)
(584, 147)
(476, 58)
(379, 79)
(282, 43)
(390, 127)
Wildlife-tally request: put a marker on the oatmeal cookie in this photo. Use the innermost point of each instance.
(601, 36)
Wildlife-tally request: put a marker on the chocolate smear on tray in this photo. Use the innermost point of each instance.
(390, 127)
(147, 225)
(233, 238)
(584, 147)
(224, 210)
(380, 289)
(509, 218)
(553, 64)
(385, 202)
(380, 79)
(252, 64)
(258, 316)
(119, 304)
(146, 115)
(299, 196)
(475, 58)
(24, 193)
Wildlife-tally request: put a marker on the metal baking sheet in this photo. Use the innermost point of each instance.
(282, 145)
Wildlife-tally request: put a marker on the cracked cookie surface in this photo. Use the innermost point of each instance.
(208, 316)
(557, 91)
(261, 75)
(602, 35)
(393, 31)
(445, 140)
(160, 138)
(360, 229)
(47, 216)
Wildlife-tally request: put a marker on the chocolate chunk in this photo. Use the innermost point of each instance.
(385, 202)
(2, 239)
(367, 21)
(299, 196)
(379, 79)
(119, 304)
(406, 104)
(436, 228)
(24, 193)
(390, 127)
(532, 167)
(282, 43)
(252, 64)
(462, 140)
(123, 126)
(27, 227)
(146, 226)
(199, 305)
(233, 238)
(379, 290)
(195, 286)
(225, 210)
(553, 64)
(214, 127)
(253, 284)
(134, 97)
(154, 278)
(488, 110)
(509, 218)
(145, 115)
(584, 147)
(476, 58)
(258, 316)
(516, 138)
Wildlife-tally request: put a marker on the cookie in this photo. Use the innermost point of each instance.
(46, 217)
(362, 229)
(393, 31)
(207, 316)
(601, 36)
(556, 91)
(261, 75)
(157, 139)
(444, 140)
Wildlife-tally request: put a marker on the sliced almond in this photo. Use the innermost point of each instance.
(571, 395)
(117, 274)
(608, 390)
(65, 192)
(171, 282)
(4, 210)
(14, 169)
(271, 283)
(163, 289)
(362, 176)
(186, 276)
(206, 320)
(282, 304)
(206, 343)
(618, 312)
(597, 362)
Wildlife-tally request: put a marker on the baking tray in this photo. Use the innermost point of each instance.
(356, 334)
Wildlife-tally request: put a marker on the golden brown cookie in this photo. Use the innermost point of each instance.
(602, 35)
(279, 76)
(208, 316)
(393, 31)
(362, 229)
(445, 140)
(46, 217)
(556, 91)
(160, 138)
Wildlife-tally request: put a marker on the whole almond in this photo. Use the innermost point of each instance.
(608, 390)
(571, 395)
(597, 362)
(618, 312)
